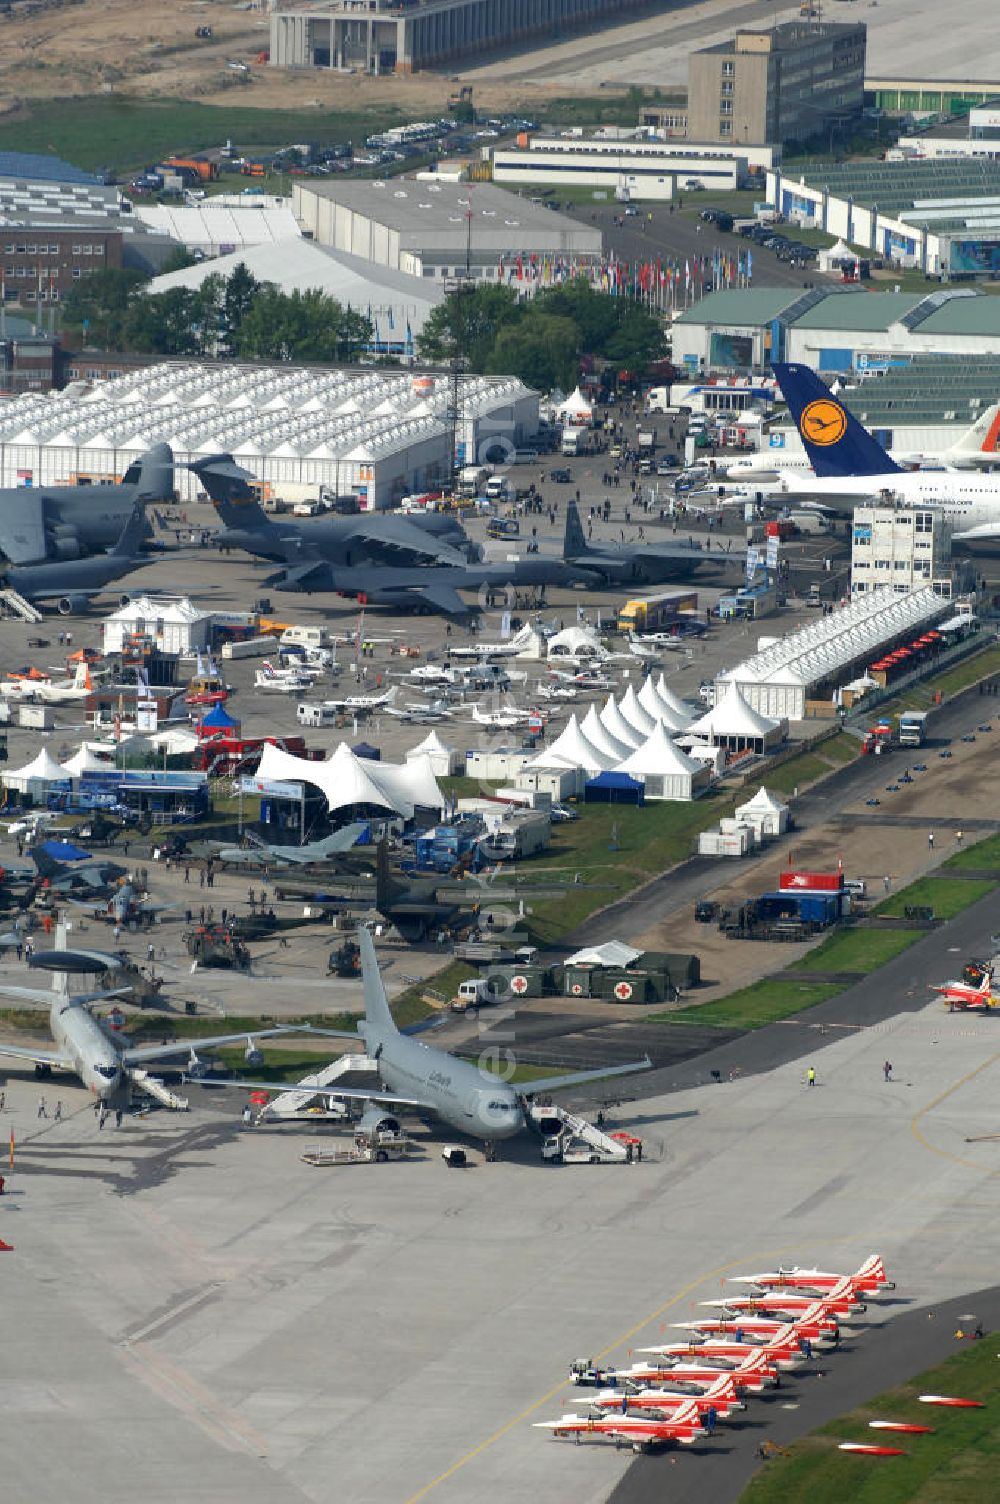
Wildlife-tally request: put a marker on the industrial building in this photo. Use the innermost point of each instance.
(631, 168)
(927, 96)
(899, 548)
(833, 329)
(377, 435)
(431, 229)
(795, 81)
(800, 675)
(383, 36)
(397, 304)
(939, 215)
(975, 135)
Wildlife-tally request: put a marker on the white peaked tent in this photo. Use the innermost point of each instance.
(673, 702)
(637, 715)
(348, 780)
(444, 760)
(733, 723)
(610, 953)
(614, 722)
(600, 737)
(665, 714)
(767, 815)
(85, 760)
(664, 769)
(571, 749)
(42, 768)
(575, 409)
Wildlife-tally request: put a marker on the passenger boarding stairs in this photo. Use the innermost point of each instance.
(574, 1130)
(16, 605)
(293, 1104)
(156, 1089)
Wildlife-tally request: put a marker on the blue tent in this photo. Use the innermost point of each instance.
(614, 788)
(365, 749)
(64, 851)
(219, 719)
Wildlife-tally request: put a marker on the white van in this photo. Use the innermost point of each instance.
(307, 637)
(495, 487)
(315, 715)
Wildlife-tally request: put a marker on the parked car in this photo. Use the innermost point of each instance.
(706, 911)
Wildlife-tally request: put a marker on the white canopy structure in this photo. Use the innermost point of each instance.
(666, 771)
(637, 715)
(600, 737)
(347, 780)
(784, 676)
(42, 768)
(176, 626)
(575, 409)
(673, 702)
(665, 714)
(444, 760)
(84, 760)
(614, 953)
(615, 723)
(767, 815)
(576, 642)
(733, 723)
(571, 749)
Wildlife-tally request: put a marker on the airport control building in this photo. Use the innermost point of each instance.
(431, 228)
(385, 36)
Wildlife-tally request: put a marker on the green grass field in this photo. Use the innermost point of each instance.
(859, 950)
(958, 1464)
(946, 896)
(797, 772)
(127, 134)
(753, 1007)
(982, 855)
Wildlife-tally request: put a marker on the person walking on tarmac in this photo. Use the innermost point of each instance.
(811, 1076)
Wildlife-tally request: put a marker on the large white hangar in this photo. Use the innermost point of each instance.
(378, 435)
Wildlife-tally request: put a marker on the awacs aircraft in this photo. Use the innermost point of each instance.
(264, 854)
(850, 465)
(978, 448)
(365, 538)
(67, 522)
(70, 584)
(963, 995)
(417, 1075)
(103, 1063)
(645, 563)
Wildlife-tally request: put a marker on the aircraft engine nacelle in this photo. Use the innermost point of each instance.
(64, 543)
(252, 1055)
(376, 1122)
(124, 599)
(72, 605)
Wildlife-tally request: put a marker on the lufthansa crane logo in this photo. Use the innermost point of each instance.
(823, 422)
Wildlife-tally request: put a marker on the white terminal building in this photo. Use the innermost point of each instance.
(899, 548)
(378, 435)
(630, 168)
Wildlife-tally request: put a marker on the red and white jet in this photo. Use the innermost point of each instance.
(818, 1328)
(963, 995)
(782, 1348)
(755, 1373)
(841, 1300)
(720, 1396)
(641, 1432)
(870, 1277)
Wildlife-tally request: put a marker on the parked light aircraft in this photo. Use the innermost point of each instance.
(500, 719)
(51, 691)
(67, 522)
(870, 1277)
(684, 1426)
(284, 681)
(366, 703)
(964, 996)
(851, 466)
(978, 447)
(427, 1079)
(85, 1048)
(70, 583)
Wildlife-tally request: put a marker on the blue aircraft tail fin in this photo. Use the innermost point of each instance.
(574, 540)
(836, 443)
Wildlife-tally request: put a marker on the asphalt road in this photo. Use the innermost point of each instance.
(885, 1354)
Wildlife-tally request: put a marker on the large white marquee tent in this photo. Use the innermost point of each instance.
(347, 780)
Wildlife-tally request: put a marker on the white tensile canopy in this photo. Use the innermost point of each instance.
(666, 771)
(347, 780)
(84, 760)
(673, 702)
(576, 642)
(576, 408)
(612, 953)
(442, 758)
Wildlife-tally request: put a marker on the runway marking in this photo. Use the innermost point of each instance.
(550, 1394)
(957, 1159)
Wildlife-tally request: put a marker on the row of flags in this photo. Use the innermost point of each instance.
(657, 282)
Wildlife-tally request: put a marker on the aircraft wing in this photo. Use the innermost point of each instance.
(351, 1093)
(395, 535)
(22, 525)
(442, 598)
(576, 1078)
(141, 1053)
(39, 1057)
(309, 574)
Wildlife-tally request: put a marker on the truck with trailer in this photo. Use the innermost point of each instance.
(913, 728)
(576, 441)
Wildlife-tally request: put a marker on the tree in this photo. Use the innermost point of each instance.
(540, 348)
(467, 323)
(241, 288)
(638, 338)
(164, 323)
(300, 326)
(97, 305)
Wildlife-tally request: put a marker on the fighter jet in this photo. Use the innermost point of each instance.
(65, 873)
(645, 563)
(68, 522)
(264, 854)
(417, 1075)
(70, 584)
(365, 538)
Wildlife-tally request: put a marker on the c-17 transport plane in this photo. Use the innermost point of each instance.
(106, 1066)
(69, 584)
(472, 1100)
